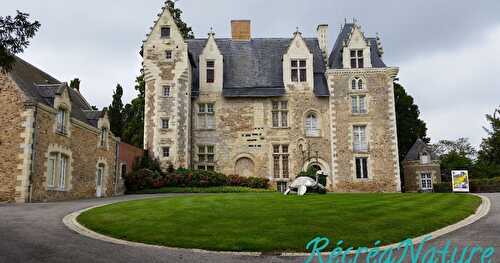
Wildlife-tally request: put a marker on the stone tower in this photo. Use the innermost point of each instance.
(168, 93)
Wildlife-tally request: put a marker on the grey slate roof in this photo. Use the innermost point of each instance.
(335, 59)
(418, 147)
(255, 68)
(93, 116)
(40, 87)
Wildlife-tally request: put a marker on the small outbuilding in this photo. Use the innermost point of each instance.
(421, 168)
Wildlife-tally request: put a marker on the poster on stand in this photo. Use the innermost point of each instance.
(460, 181)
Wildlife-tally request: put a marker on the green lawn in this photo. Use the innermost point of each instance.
(268, 222)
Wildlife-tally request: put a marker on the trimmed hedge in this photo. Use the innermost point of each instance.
(487, 185)
(213, 189)
(147, 179)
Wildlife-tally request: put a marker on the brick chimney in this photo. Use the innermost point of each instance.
(241, 30)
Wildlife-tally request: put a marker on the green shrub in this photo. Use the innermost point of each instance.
(486, 185)
(443, 187)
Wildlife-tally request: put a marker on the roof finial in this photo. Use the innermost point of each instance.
(211, 33)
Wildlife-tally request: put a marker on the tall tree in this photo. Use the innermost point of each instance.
(186, 31)
(75, 84)
(410, 126)
(15, 35)
(115, 112)
(488, 163)
(455, 155)
(133, 112)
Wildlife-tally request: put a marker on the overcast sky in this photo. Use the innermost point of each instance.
(448, 51)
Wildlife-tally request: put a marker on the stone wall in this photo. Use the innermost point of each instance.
(244, 130)
(84, 154)
(381, 136)
(11, 120)
(412, 171)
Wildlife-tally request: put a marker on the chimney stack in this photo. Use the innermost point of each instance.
(241, 30)
(322, 34)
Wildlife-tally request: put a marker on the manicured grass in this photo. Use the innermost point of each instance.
(271, 222)
(216, 189)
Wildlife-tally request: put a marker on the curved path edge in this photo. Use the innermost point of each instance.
(72, 223)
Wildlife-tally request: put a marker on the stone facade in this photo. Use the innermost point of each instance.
(194, 119)
(41, 161)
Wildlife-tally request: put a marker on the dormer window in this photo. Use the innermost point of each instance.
(61, 120)
(104, 137)
(166, 91)
(425, 158)
(168, 54)
(357, 83)
(210, 71)
(165, 32)
(299, 70)
(357, 58)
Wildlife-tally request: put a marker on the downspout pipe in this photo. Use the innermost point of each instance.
(33, 155)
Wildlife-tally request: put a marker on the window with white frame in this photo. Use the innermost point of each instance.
(210, 71)
(206, 157)
(357, 83)
(206, 116)
(104, 137)
(426, 181)
(357, 58)
(57, 171)
(358, 103)
(165, 123)
(281, 161)
(280, 114)
(362, 168)
(312, 125)
(165, 31)
(360, 143)
(61, 121)
(167, 90)
(165, 151)
(299, 70)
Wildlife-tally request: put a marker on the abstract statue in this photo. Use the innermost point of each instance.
(302, 184)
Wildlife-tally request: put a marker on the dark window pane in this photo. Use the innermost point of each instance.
(358, 168)
(210, 75)
(302, 63)
(353, 63)
(294, 63)
(360, 53)
(353, 53)
(303, 75)
(165, 32)
(168, 54)
(353, 84)
(360, 63)
(295, 76)
(360, 84)
(284, 105)
(365, 168)
(210, 64)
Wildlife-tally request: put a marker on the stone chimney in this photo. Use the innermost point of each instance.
(241, 30)
(322, 34)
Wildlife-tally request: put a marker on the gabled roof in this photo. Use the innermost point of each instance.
(255, 68)
(335, 59)
(40, 87)
(419, 147)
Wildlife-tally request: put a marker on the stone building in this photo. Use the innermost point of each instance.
(421, 168)
(53, 145)
(272, 107)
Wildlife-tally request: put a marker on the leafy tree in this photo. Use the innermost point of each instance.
(488, 164)
(15, 35)
(75, 84)
(133, 132)
(461, 146)
(186, 31)
(410, 126)
(115, 112)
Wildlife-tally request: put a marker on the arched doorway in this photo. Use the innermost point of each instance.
(244, 167)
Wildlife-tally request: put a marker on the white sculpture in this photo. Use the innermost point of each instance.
(302, 183)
